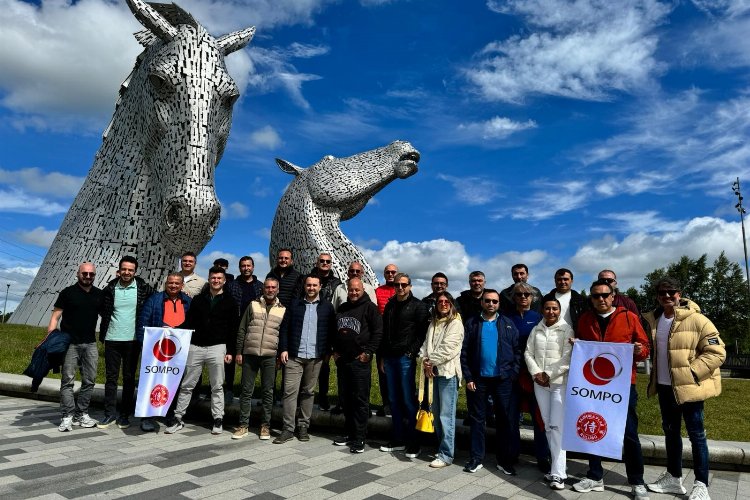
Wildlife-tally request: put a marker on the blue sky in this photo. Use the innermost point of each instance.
(587, 134)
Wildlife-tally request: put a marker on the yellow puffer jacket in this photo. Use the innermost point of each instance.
(259, 329)
(696, 352)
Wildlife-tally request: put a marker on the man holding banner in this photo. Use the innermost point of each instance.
(163, 309)
(606, 323)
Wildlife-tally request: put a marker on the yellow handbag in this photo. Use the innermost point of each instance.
(425, 419)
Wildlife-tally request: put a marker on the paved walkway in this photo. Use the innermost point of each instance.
(37, 461)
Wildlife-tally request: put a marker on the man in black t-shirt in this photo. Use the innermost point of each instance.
(78, 306)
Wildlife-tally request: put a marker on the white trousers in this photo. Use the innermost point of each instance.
(551, 401)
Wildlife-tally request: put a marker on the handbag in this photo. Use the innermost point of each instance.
(425, 419)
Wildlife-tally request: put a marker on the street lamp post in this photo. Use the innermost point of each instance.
(5, 307)
(741, 210)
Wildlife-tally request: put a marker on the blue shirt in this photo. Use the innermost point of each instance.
(122, 325)
(309, 338)
(488, 361)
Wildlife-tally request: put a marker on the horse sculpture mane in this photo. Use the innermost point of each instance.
(150, 192)
(334, 189)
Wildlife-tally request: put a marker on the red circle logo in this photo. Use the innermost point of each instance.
(591, 427)
(166, 348)
(602, 369)
(159, 396)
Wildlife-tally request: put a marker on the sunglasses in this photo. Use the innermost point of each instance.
(522, 294)
(608, 281)
(390, 272)
(443, 301)
(600, 295)
(324, 261)
(491, 301)
(401, 285)
(354, 271)
(88, 274)
(667, 293)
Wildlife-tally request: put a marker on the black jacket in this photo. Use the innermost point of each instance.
(288, 284)
(290, 332)
(359, 328)
(578, 306)
(213, 325)
(508, 349)
(468, 305)
(404, 327)
(108, 306)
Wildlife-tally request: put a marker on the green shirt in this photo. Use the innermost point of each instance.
(122, 325)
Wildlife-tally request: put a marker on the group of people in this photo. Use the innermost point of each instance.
(512, 348)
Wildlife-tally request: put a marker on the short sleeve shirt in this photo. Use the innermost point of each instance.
(80, 311)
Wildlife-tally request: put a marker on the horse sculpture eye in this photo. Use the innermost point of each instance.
(160, 84)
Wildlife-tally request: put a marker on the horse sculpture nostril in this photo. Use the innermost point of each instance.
(173, 214)
(214, 220)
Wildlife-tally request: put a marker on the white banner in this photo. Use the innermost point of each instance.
(596, 399)
(163, 358)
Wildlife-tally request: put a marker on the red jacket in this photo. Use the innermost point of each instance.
(623, 326)
(383, 293)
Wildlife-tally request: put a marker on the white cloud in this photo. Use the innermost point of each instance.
(726, 8)
(556, 198)
(18, 201)
(19, 278)
(265, 138)
(38, 236)
(495, 128)
(35, 181)
(581, 49)
(63, 62)
(235, 210)
(641, 222)
(640, 253)
(472, 190)
(264, 233)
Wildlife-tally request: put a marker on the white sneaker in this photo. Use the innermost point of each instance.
(700, 492)
(667, 483)
(640, 492)
(66, 425)
(86, 421)
(585, 485)
(439, 463)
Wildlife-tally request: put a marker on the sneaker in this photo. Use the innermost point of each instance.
(326, 406)
(357, 447)
(585, 485)
(548, 478)
(338, 410)
(640, 492)
(148, 425)
(175, 426)
(240, 432)
(667, 483)
(700, 492)
(66, 425)
(439, 463)
(283, 437)
(218, 427)
(393, 446)
(472, 466)
(412, 451)
(103, 424)
(85, 421)
(123, 422)
(557, 483)
(265, 432)
(302, 433)
(508, 470)
(343, 441)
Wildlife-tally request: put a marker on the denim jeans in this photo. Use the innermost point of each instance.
(125, 355)
(508, 437)
(400, 373)
(444, 399)
(671, 421)
(251, 366)
(87, 356)
(632, 455)
(213, 357)
(355, 378)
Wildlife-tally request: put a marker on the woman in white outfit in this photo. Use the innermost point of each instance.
(441, 361)
(548, 359)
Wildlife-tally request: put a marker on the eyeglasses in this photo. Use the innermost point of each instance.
(608, 281)
(439, 283)
(522, 294)
(401, 285)
(600, 295)
(491, 301)
(667, 293)
(390, 272)
(324, 261)
(354, 271)
(88, 274)
(443, 301)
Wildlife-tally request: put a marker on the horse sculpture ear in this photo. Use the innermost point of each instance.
(287, 167)
(235, 41)
(152, 20)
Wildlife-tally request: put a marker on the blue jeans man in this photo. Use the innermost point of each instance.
(402, 391)
(504, 393)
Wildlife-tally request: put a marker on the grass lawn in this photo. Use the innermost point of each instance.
(727, 417)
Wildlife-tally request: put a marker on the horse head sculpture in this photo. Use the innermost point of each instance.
(334, 189)
(150, 192)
